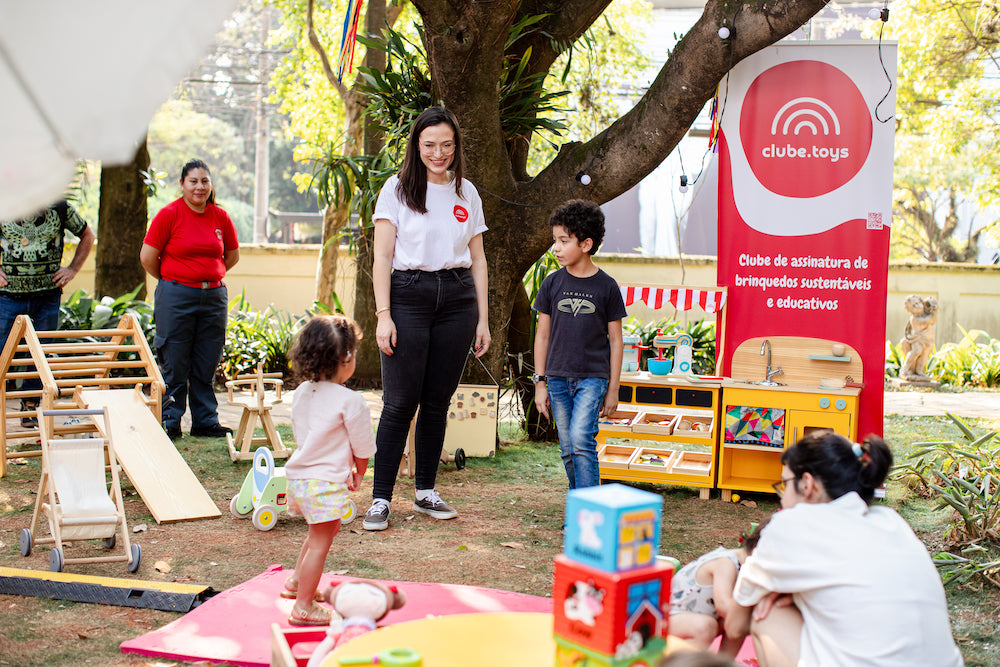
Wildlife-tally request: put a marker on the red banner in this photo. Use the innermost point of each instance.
(805, 200)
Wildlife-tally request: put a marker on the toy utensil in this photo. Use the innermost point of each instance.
(393, 657)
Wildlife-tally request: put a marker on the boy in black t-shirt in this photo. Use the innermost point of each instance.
(578, 341)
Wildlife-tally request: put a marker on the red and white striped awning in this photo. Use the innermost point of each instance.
(711, 301)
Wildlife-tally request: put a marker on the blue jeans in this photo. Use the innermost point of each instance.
(435, 314)
(43, 309)
(576, 404)
(190, 337)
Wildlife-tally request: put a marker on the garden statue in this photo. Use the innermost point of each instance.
(918, 338)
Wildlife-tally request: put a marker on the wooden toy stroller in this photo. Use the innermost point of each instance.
(76, 496)
(254, 386)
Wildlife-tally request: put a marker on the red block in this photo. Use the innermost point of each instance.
(610, 612)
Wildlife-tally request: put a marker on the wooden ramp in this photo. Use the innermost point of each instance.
(154, 466)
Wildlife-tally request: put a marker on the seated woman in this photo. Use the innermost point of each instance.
(835, 581)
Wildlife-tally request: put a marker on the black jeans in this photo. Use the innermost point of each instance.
(435, 315)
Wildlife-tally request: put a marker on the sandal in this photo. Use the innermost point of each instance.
(290, 592)
(315, 615)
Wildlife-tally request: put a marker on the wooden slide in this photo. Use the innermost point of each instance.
(154, 466)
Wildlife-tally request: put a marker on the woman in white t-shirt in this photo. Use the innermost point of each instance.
(835, 582)
(429, 275)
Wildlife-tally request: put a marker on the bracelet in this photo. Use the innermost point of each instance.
(381, 310)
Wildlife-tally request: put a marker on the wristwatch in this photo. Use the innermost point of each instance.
(536, 378)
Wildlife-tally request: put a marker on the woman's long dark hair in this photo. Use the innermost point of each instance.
(842, 466)
(198, 164)
(412, 187)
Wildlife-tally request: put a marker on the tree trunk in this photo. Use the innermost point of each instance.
(121, 226)
(369, 365)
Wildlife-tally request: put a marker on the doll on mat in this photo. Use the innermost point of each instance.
(359, 605)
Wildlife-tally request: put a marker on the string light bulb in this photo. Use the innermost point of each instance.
(876, 14)
(725, 32)
(583, 178)
(684, 183)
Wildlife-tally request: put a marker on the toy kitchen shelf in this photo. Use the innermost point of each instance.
(670, 425)
(759, 422)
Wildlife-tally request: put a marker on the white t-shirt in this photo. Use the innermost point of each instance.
(332, 425)
(439, 239)
(867, 589)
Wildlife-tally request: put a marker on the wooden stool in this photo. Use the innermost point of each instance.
(256, 406)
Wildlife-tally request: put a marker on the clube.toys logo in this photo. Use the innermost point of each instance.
(806, 129)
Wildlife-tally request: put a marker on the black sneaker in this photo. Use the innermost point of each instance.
(173, 432)
(433, 506)
(377, 516)
(213, 431)
(30, 421)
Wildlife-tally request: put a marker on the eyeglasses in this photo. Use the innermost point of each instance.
(779, 486)
(432, 149)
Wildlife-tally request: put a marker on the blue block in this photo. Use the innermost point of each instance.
(613, 527)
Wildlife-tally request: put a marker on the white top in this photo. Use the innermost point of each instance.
(868, 591)
(439, 239)
(332, 425)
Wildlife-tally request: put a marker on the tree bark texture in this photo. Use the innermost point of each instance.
(121, 227)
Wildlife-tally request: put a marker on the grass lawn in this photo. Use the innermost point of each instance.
(508, 530)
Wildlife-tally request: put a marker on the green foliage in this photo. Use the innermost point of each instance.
(974, 360)
(947, 108)
(254, 336)
(893, 359)
(82, 312)
(963, 477)
(702, 333)
(532, 281)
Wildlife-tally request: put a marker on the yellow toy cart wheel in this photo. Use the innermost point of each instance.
(350, 513)
(265, 517)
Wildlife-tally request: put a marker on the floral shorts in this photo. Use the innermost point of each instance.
(316, 500)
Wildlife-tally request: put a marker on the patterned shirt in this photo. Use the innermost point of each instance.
(33, 248)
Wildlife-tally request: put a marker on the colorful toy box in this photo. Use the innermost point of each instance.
(611, 595)
(612, 527)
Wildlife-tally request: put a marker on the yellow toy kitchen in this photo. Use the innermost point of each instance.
(676, 427)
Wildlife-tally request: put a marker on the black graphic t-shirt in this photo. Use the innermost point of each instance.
(579, 310)
(32, 248)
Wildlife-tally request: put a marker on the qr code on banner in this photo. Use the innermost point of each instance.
(874, 221)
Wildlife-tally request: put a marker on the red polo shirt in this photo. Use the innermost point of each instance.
(192, 244)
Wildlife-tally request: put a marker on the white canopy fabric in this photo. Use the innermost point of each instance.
(83, 79)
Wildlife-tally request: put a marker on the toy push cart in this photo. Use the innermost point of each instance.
(263, 494)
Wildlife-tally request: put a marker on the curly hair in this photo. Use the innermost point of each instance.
(325, 342)
(581, 219)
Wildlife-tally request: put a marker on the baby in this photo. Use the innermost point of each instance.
(701, 593)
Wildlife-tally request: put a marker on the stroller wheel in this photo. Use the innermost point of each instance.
(56, 559)
(26, 541)
(136, 554)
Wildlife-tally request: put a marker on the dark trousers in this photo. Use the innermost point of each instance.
(190, 337)
(435, 315)
(43, 309)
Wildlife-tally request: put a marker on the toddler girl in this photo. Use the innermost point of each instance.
(701, 593)
(333, 432)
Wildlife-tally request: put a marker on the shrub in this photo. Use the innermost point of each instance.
(963, 477)
(254, 336)
(974, 360)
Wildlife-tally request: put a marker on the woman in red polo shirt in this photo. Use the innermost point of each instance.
(190, 245)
